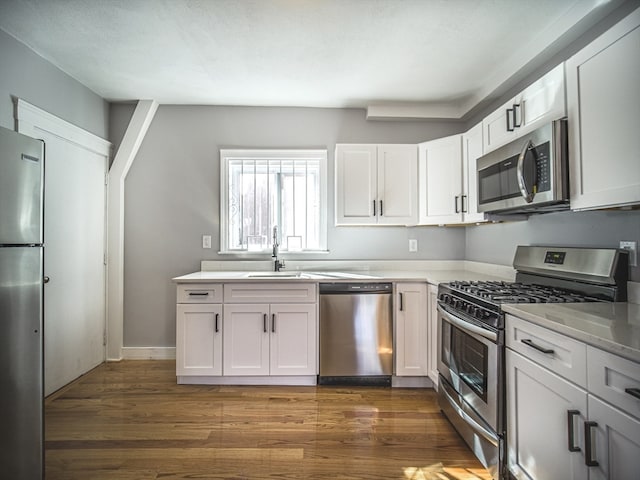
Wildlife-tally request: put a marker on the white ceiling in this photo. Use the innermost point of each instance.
(438, 57)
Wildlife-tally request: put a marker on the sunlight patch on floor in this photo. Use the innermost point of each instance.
(439, 472)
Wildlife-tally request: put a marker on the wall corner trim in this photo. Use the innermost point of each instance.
(133, 137)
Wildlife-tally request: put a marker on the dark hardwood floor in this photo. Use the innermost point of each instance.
(130, 420)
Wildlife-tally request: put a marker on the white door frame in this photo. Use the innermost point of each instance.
(137, 129)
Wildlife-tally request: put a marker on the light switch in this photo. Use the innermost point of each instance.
(206, 241)
(413, 245)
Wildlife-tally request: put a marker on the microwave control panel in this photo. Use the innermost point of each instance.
(543, 167)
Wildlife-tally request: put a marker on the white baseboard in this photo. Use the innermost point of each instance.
(148, 353)
(304, 380)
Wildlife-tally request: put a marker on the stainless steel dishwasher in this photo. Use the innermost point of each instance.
(356, 334)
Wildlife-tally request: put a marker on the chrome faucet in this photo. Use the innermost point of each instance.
(277, 264)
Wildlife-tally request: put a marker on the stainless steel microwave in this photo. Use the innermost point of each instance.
(527, 175)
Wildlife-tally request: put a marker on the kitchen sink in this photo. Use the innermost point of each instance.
(278, 275)
(309, 275)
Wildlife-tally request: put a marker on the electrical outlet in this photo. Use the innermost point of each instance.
(206, 241)
(632, 247)
(413, 245)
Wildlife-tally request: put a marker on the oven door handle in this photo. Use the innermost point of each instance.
(468, 327)
(487, 434)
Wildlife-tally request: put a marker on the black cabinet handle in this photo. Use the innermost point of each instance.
(217, 327)
(273, 323)
(374, 208)
(530, 343)
(589, 447)
(380, 207)
(455, 203)
(516, 110)
(464, 208)
(509, 112)
(401, 301)
(198, 294)
(264, 323)
(634, 392)
(571, 414)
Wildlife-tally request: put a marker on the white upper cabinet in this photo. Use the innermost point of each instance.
(447, 179)
(603, 96)
(376, 184)
(471, 150)
(542, 101)
(356, 184)
(440, 167)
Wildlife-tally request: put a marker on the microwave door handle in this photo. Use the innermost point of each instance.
(522, 184)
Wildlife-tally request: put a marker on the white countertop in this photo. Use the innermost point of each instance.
(614, 327)
(431, 276)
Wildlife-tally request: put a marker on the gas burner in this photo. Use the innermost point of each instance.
(517, 292)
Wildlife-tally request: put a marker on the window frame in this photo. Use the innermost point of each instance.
(227, 155)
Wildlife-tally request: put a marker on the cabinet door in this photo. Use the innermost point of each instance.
(411, 329)
(541, 102)
(246, 339)
(471, 150)
(293, 339)
(616, 447)
(199, 339)
(538, 405)
(434, 339)
(440, 166)
(356, 184)
(496, 132)
(604, 118)
(397, 184)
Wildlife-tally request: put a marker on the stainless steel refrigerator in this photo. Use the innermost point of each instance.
(21, 306)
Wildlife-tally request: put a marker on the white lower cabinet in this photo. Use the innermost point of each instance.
(411, 329)
(539, 403)
(228, 333)
(573, 410)
(263, 339)
(199, 339)
(615, 451)
(433, 334)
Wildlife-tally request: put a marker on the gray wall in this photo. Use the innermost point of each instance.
(171, 197)
(26, 75)
(496, 243)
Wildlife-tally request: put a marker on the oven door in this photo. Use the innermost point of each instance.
(468, 360)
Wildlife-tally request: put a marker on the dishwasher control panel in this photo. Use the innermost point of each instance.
(355, 288)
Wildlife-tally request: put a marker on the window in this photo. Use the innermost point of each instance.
(263, 189)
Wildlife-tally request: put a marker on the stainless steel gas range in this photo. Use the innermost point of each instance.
(471, 352)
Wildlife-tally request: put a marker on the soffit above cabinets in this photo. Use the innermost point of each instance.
(409, 59)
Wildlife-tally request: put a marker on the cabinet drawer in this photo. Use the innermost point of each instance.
(200, 293)
(270, 293)
(609, 376)
(565, 356)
